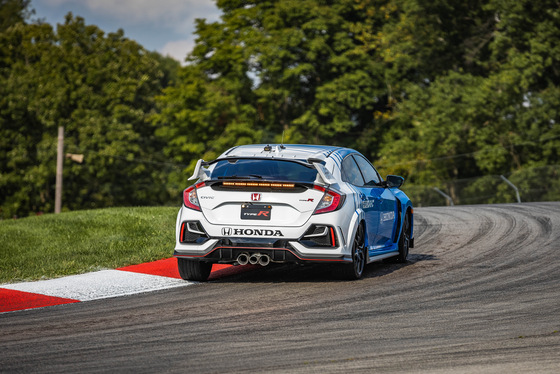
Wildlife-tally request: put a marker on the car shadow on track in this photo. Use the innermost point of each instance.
(293, 273)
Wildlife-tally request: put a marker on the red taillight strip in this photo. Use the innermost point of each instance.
(333, 238)
(182, 232)
(322, 189)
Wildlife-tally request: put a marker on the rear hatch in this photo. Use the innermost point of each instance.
(257, 191)
(258, 203)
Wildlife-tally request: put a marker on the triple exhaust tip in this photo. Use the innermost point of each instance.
(254, 259)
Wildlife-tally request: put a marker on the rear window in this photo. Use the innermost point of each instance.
(264, 169)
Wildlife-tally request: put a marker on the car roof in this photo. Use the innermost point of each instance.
(286, 151)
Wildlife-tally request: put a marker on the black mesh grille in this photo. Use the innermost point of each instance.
(192, 232)
(319, 236)
(323, 241)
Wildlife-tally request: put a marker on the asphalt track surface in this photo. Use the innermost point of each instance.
(481, 293)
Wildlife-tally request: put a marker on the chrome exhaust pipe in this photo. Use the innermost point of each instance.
(264, 260)
(243, 259)
(254, 259)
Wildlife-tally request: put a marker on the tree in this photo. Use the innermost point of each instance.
(101, 88)
(13, 12)
(271, 71)
(436, 91)
(492, 110)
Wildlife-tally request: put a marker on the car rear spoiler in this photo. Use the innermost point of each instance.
(200, 172)
(323, 172)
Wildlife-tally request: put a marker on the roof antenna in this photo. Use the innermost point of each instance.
(282, 144)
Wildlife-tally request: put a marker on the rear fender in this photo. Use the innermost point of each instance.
(356, 220)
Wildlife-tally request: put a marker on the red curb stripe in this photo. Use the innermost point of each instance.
(168, 268)
(11, 300)
(164, 268)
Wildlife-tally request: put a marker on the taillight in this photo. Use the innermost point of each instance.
(330, 202)
(190, 197)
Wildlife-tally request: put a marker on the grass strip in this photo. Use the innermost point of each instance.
(55, 245)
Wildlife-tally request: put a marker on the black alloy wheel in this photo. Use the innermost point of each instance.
(355, 270)
(404, 241)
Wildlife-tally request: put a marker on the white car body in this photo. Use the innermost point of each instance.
(262, 218)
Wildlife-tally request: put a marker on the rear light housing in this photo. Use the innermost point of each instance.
(331, 201)
(190, 196)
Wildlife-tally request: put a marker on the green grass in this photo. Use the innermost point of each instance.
(55, 245)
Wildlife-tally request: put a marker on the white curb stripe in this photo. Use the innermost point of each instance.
(99, 285)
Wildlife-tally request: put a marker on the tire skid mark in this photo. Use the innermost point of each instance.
(462, 304)
(502, 242)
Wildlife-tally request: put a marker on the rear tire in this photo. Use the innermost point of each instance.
(194, 270)
(355, 270)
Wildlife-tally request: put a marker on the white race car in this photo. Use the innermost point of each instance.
(258, 204)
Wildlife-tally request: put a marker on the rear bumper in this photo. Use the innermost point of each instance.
(197, 239)
(286, 254)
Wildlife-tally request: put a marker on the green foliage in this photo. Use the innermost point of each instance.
(52, 245)
(273, 69)
(438, 91)
(13, 12)
(492, 112)
(101, 89)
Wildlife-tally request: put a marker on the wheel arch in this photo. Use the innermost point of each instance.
(358, 218)
(397, 230)
(410, 214)
(408, 211)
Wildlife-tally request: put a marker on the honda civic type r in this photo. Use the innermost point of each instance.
(262, 204)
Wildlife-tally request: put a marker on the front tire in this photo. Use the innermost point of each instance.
(355, 270)
(194, 270)
(404, 241)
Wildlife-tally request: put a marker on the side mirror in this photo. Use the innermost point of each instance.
(394, 181)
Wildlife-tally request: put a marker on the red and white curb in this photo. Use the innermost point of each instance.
(152, 276)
